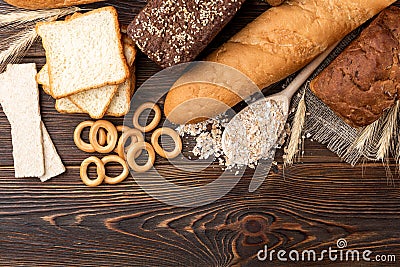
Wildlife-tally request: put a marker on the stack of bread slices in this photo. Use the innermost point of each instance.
(90, 66)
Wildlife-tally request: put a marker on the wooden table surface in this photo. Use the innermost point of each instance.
(308, 206)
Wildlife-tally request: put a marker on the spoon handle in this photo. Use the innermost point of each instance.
(306, 72)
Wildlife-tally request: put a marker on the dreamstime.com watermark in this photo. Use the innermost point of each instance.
(339, 253)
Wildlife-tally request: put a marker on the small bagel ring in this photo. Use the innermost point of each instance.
(132, 153)
(124, 137)
(101, 172)
(153, 124)
(102, 137)
(86, 147)
(120, 129)
(110, 128)
(160, 151)
(122, 176)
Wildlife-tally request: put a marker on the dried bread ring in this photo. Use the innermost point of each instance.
(111, 130)
(122, 176)
(101, 172)
(82, 145)
(102, 137)
(131, 133)
(120, 129)
(139, 146)
(153, 124)
(175, 137)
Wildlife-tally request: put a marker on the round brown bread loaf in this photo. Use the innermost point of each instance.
(45, 4)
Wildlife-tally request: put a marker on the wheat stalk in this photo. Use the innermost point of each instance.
(13, 48)
(389, 129)
(17, 48)
(16, 16)
(295, 136)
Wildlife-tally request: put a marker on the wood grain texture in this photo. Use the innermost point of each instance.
(307, 206)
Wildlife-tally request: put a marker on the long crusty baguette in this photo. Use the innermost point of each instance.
(45, 4)
(279, 42)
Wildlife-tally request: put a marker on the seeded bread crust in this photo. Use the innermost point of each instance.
(45, 4)
(40, 28)
(364, 79)
(172, 32)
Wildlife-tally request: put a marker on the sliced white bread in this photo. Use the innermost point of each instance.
(120, 103)
(84, 52)
(95, 102)
(64, 105)
(20, 101)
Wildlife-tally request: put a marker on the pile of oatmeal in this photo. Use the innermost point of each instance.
(249, 137)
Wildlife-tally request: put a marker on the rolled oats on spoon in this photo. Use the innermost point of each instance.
(254, 132)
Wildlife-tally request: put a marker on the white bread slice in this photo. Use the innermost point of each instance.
(64, 105)
(120, 103)
(20, 100)
(43, 78)
(84, 52)
(95, 101)
(52, 161)
(84, 102)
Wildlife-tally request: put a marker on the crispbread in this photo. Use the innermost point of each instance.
(76, 49)
(52, 161)
(20, 100)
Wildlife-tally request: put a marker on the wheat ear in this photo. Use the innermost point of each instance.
(389, 130)
(295, 141)
(16, 16)
(13, 48)
(20, 43)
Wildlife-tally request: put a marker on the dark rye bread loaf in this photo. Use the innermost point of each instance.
(176, 31)
(364, 79)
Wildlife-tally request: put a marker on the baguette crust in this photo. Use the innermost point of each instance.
(47, 4)
(278, 43)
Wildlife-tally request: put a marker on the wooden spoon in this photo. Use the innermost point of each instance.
(271, 128)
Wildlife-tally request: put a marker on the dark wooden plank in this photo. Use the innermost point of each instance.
(307, 206)
(309, 209)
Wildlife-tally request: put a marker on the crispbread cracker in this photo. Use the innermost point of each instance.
(52, 161)
(76, 51)
(20, 100)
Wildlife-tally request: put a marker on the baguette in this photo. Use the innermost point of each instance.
(278, 43)
(46, 4)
